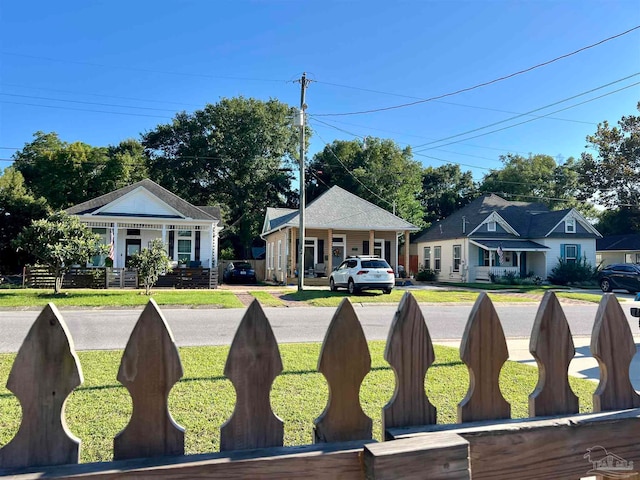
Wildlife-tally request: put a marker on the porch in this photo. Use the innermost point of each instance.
(501, 258)
(108, 277)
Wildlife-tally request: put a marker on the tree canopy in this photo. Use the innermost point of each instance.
(612, 174)
(151, 263)
(445, 189)
(69, 173)
(377, 170)
(233, 153)
(17, 208)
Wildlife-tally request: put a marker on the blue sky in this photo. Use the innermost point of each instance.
(64, 65)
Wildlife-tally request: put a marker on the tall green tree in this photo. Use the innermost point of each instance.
(69, 173)
(537, 178)
(17, 208)
(377, 170)
(233, 153)
(611, 175)
(445, 189)
(58, 242)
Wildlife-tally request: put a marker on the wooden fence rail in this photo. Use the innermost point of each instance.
(485, 444)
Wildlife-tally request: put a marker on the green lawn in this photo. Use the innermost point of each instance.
(115, 298)
(324, 298)
(498, 286)
(266, 299)
(587, 297)
(204, 399)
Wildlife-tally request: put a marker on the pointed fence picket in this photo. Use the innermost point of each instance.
(46, 370)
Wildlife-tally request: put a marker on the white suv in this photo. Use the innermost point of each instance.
(363, 273)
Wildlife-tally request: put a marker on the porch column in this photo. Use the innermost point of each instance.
(293, 254)
(213, 241)
(116, 261)
(519, 264)
(329, 262)
(164, 234)
(490, 259)
(406, 252)
(372, 242)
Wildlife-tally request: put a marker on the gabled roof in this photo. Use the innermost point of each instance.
(337, 209)
(624, 242)
(184, 208)
(529, 220)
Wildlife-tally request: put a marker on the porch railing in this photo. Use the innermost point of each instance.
(485, 444)
(483, 273)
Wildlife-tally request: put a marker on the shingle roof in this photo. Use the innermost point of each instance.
(514, 213)
(177, 203)
(530, 220)
(628, 242)
(338, 209)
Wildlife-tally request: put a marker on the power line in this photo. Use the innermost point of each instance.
(533, 119)
(60, 107)
(510, 150)
(146, 70)
(537, 117)
(99, 95)
(458, 104)
(484, 84)
(353, 175)
(87, 103)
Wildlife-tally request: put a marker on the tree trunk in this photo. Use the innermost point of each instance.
(58, 284)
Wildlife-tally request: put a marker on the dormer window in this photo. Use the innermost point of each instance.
(570, 225)
(491, 226)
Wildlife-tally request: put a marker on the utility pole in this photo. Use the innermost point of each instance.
(303, 107)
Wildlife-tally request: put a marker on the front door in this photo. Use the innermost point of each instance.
(133, 245)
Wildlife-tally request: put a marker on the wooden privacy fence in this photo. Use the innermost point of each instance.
(486, 444)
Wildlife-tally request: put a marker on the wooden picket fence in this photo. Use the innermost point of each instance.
(486, 443)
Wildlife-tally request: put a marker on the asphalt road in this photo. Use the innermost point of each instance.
(110, 329)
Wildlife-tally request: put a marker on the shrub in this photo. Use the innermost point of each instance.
(579, 271)
(426, 275)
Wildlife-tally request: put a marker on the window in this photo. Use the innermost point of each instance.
(457, 256)
(270, 255)
(437, 258)
(570, 253)
(570, 225)
(184, 250)
(279, 254)
(491, 226)
(184, 246)
(427, 258)
(485, 258)
(378, 248)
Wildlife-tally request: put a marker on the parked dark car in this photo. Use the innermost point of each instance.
(239, 272)
(624, 276)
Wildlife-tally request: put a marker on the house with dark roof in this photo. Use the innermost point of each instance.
(338, 224)
(618, 249)
(495, 236)
(130, 217)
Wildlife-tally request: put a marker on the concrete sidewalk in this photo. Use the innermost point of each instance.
(583, 364)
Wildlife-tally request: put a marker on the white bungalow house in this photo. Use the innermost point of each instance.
(337, 224)
(623, 248)
(492, 235)
(129, 218)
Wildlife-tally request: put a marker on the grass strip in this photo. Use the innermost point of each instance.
(204, 399)
(323, 298)
(266, 299)
(116, 298)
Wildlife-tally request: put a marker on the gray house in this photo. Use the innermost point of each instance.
(495, 236)
(337, 224)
